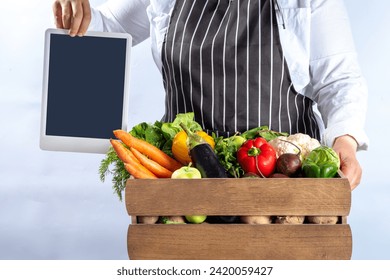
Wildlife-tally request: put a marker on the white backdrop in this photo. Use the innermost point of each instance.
(53, 205)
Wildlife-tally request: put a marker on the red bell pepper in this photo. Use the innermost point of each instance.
(257, 156)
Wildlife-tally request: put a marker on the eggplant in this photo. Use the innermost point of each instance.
(206, 161)
(203, 156)
(228, 219)
(223, 219)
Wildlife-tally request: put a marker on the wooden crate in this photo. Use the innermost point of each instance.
(239, 197)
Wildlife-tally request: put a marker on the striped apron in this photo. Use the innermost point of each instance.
(222, 60)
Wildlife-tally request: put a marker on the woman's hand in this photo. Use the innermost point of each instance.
(74, 15)
(346, 146)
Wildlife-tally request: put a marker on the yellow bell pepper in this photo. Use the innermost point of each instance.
(180, 149)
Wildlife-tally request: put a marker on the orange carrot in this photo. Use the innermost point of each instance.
(123, 153)
(139, 171)
(148, 149)
(150, 164)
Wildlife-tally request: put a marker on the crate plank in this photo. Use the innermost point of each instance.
(211, 241)
(241, 196)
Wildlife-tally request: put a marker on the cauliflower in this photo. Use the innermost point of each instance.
(282, 146)
(303, 142)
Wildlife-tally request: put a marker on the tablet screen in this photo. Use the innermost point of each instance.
(85, 88)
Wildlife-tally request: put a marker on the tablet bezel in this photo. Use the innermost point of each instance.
(73, 143)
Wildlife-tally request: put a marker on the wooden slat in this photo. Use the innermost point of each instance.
(211, 241)
(244, 196)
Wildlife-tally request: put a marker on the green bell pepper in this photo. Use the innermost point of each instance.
(313, 170)
(322, 162)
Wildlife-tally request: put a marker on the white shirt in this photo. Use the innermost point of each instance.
(317, 44)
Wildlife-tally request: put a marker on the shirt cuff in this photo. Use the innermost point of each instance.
(331, 133)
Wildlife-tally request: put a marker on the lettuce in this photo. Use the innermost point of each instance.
(150, 133)
(161, 134)
(171, 129)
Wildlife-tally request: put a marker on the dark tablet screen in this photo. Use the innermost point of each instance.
(86, 82)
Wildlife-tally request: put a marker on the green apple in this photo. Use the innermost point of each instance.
(196, 219)
(186, 172)
(189, 172)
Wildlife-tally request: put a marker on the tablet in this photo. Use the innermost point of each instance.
(85, 90)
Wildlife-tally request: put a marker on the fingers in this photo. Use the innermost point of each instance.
(66, 15)
(74, 15)
(81, 18)
(351, 169)
(86, 18)
(57, 11)
(346, 146)
(77, 17)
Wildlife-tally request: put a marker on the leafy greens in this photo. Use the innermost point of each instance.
(159, 134)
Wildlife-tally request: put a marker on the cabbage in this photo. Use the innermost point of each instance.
(322, 162)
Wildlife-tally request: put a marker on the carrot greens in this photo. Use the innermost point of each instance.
(111, 165)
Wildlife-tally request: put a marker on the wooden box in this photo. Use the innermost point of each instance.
(239, 197)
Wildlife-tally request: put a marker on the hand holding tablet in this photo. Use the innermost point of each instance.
(72, 15)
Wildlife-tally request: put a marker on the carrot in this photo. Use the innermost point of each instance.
(148, 149)
(139, 171)
(132, 164)
(123, 153)
(150, 164)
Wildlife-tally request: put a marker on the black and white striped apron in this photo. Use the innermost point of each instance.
(222, 60)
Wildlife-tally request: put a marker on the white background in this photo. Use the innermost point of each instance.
(53, 205)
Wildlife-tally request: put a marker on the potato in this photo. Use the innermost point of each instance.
(293, 220)
(323, 220)
(174, 220)
(256, 220)
(147, 219)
